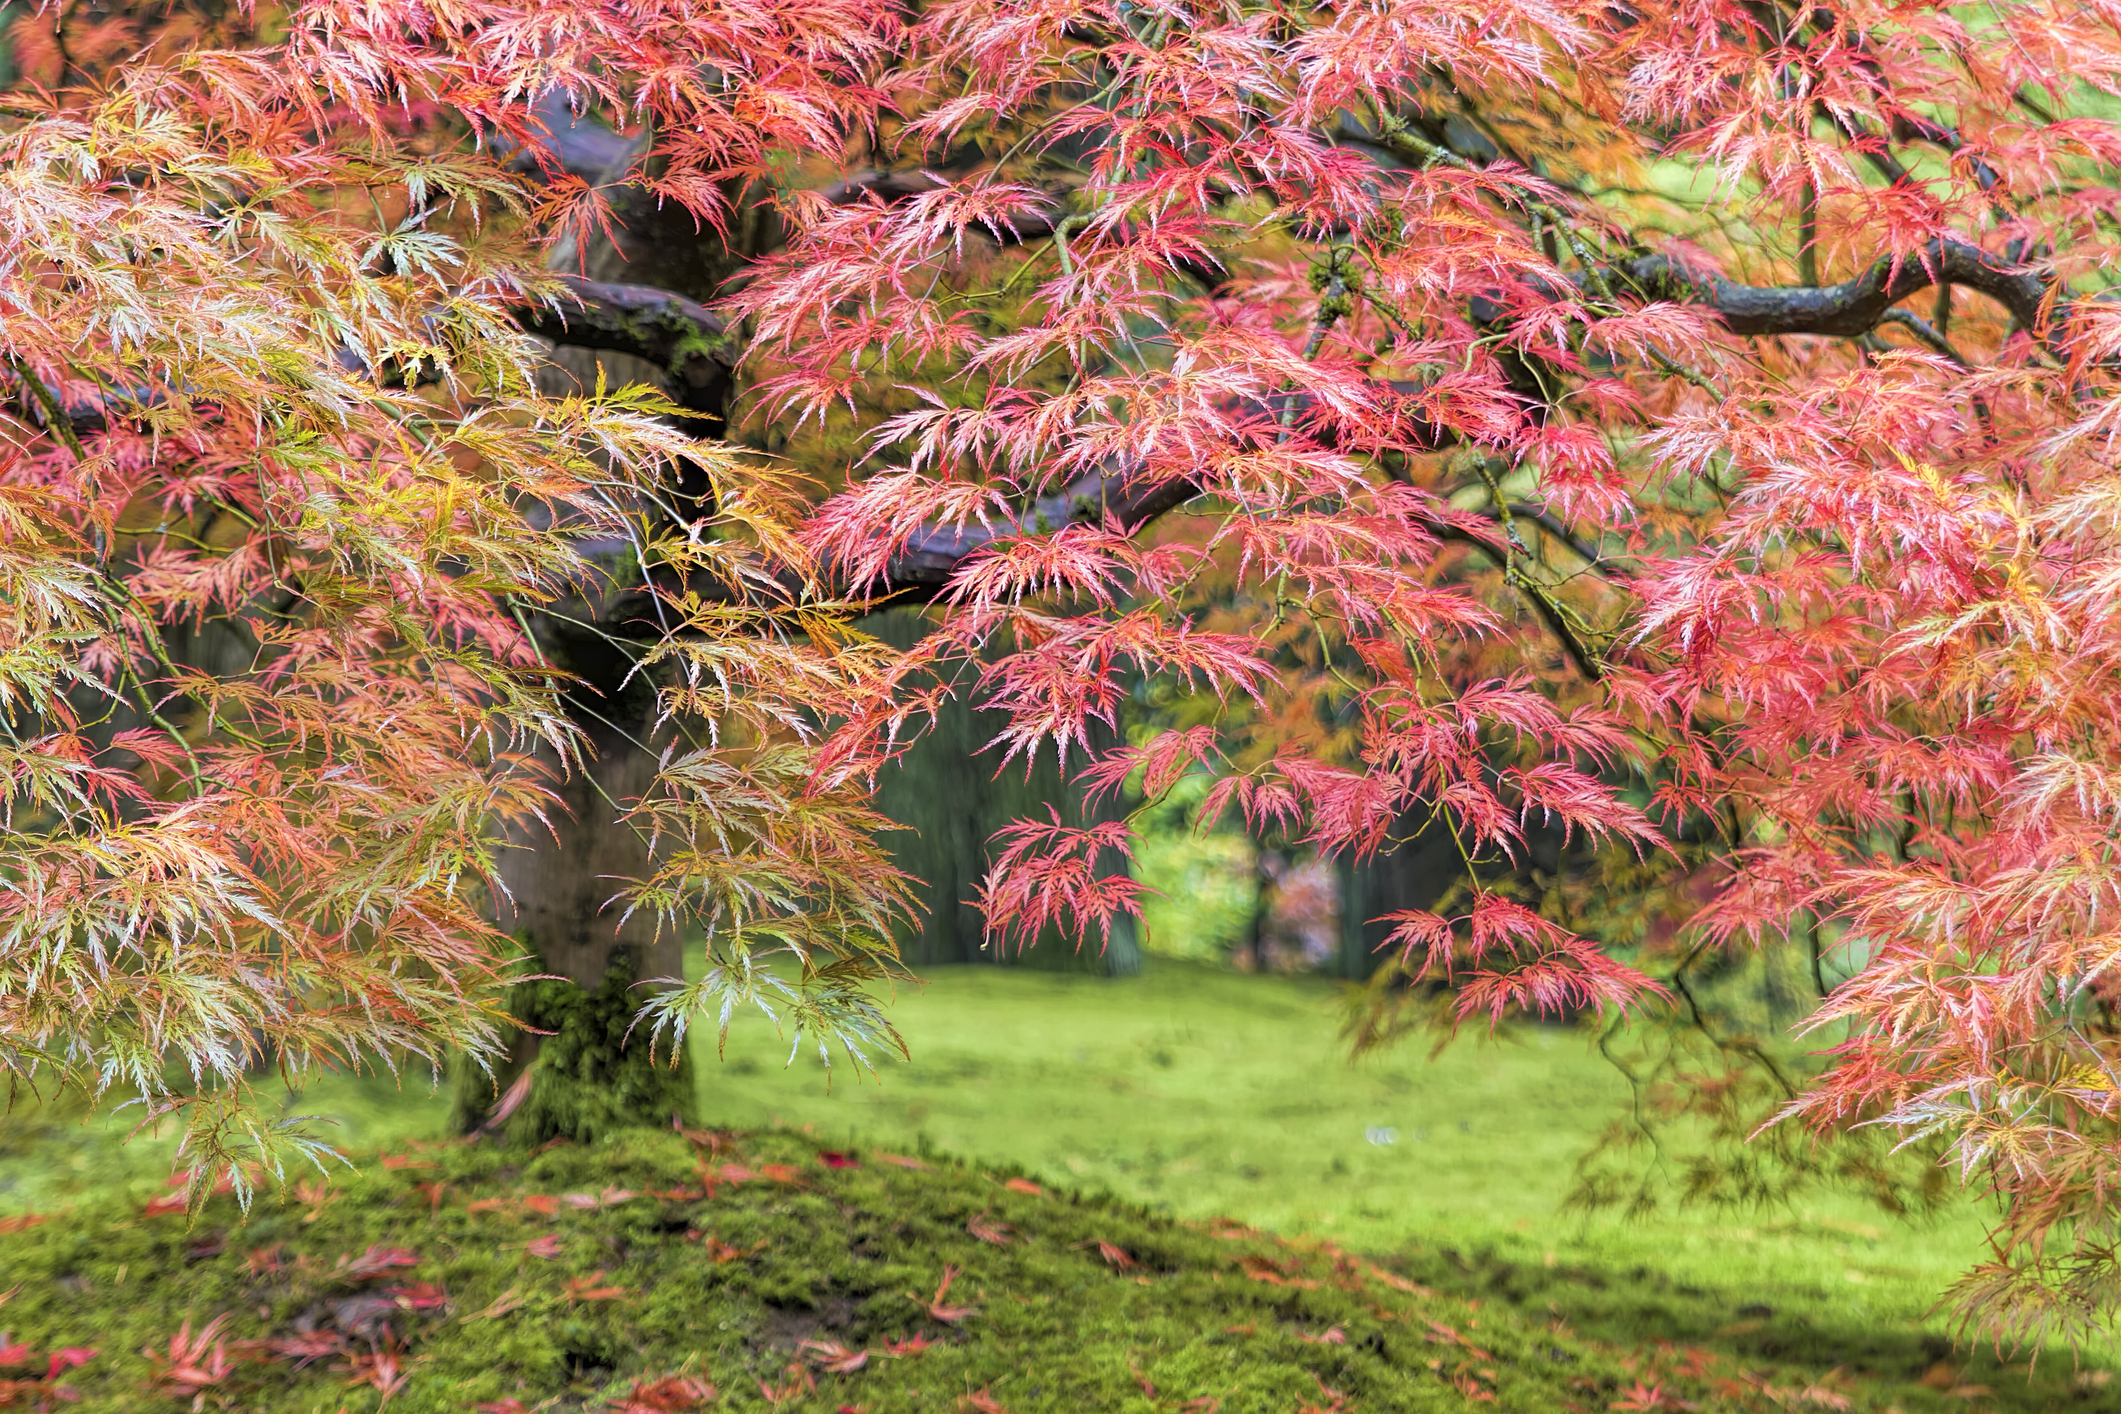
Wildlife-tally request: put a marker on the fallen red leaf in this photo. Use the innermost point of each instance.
(507, 1301)
(669, 1395)
(375, 1262)
(306, 1347)
(935, 1306)
(1398, 1282)
(71, 1357)
(1115, 1257)
(830, 1355)
(988, 1231)
(802, 1382)
(1265, 1269)
(721, 1252)
(547, 1246)
(381, 1370)
(418, 1296)
(586, 1289)
(834, 1159)
(1333, 1336)
(543, 1204)
(903, 1162)
(1024, 1185)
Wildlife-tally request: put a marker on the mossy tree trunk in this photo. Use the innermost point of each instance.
(585, 1069)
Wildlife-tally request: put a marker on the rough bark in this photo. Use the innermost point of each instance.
(591, 1071)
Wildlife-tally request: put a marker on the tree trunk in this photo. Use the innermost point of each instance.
(1415, 875)
(948, 796)
(586, 1075)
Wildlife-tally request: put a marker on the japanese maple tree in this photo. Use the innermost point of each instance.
(1685, 428)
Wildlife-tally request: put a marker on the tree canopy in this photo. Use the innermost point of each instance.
(1684, 426)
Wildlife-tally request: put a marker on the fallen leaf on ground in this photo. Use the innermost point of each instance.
(1275, 1274)
(381, 1370)
(507, 1301)
(375, 1262)
(1400, 1283)
(721, 1252)
(935, 1306)
(903, 1162)
(418, 1296)
(669, 1395)
(306, 1347)
(547, 1247)
(586, 1289)
(1024, 1185)
(834, 1159)
(832, 1356)
(71, 1357)
(988, 1231)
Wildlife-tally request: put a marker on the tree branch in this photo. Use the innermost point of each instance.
(684, 336)
(1854, 306)
(681, 336)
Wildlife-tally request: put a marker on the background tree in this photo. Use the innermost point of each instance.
(1684, 429)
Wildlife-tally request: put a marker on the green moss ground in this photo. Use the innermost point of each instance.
(726, 1288)
(1195, 1093)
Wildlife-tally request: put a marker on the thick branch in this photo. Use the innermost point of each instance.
(1854, 306)
(679, 335)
